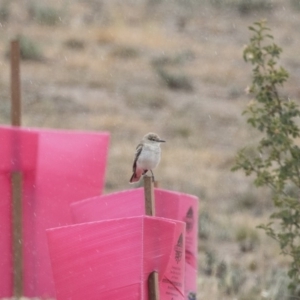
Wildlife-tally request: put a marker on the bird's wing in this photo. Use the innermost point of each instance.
(137, 154)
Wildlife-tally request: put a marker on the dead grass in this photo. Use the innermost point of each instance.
(110, 84)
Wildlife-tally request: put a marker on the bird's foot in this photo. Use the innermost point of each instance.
(152, 176)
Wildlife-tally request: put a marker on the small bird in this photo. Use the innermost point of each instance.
(147, 156)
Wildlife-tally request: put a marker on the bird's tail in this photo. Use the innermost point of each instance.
(135, 177)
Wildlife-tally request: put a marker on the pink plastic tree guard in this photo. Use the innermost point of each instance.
(168, 204)
(18, 152)
(112, 259)
(62, 166)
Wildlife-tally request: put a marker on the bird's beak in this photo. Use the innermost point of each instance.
(162, 141)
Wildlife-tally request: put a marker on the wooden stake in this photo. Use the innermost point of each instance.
(149, 196)
(17, 233)
(153, 286)
(153, 283)
(16, 178)
(15, 84)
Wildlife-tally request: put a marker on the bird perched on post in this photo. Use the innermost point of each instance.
(147, 156)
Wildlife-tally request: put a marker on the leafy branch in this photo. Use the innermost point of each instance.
(276, 162)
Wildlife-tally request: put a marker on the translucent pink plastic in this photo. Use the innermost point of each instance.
(58, 167)
(169, 204)
(18, 152)
(112, 259)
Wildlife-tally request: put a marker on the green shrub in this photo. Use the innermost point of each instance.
(175, 80)
(125, 52)
(4, 11)
(43, 14)
(276, 163)
(209, 263)
(29, 49)
(231, 278)
(248, 6)
(74, 44)
(247, 238)
(295, 4)
(177, 59)
(205, 225)
(245, 6)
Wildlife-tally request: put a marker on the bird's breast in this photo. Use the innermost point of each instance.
(149, 158)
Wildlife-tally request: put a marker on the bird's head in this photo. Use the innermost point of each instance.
(153, 137)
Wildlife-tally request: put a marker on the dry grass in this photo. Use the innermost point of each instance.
(111, 83)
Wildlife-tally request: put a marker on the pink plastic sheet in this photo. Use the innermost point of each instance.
(58, 167)
(168, 204)
(18, 152)
(112, 259)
